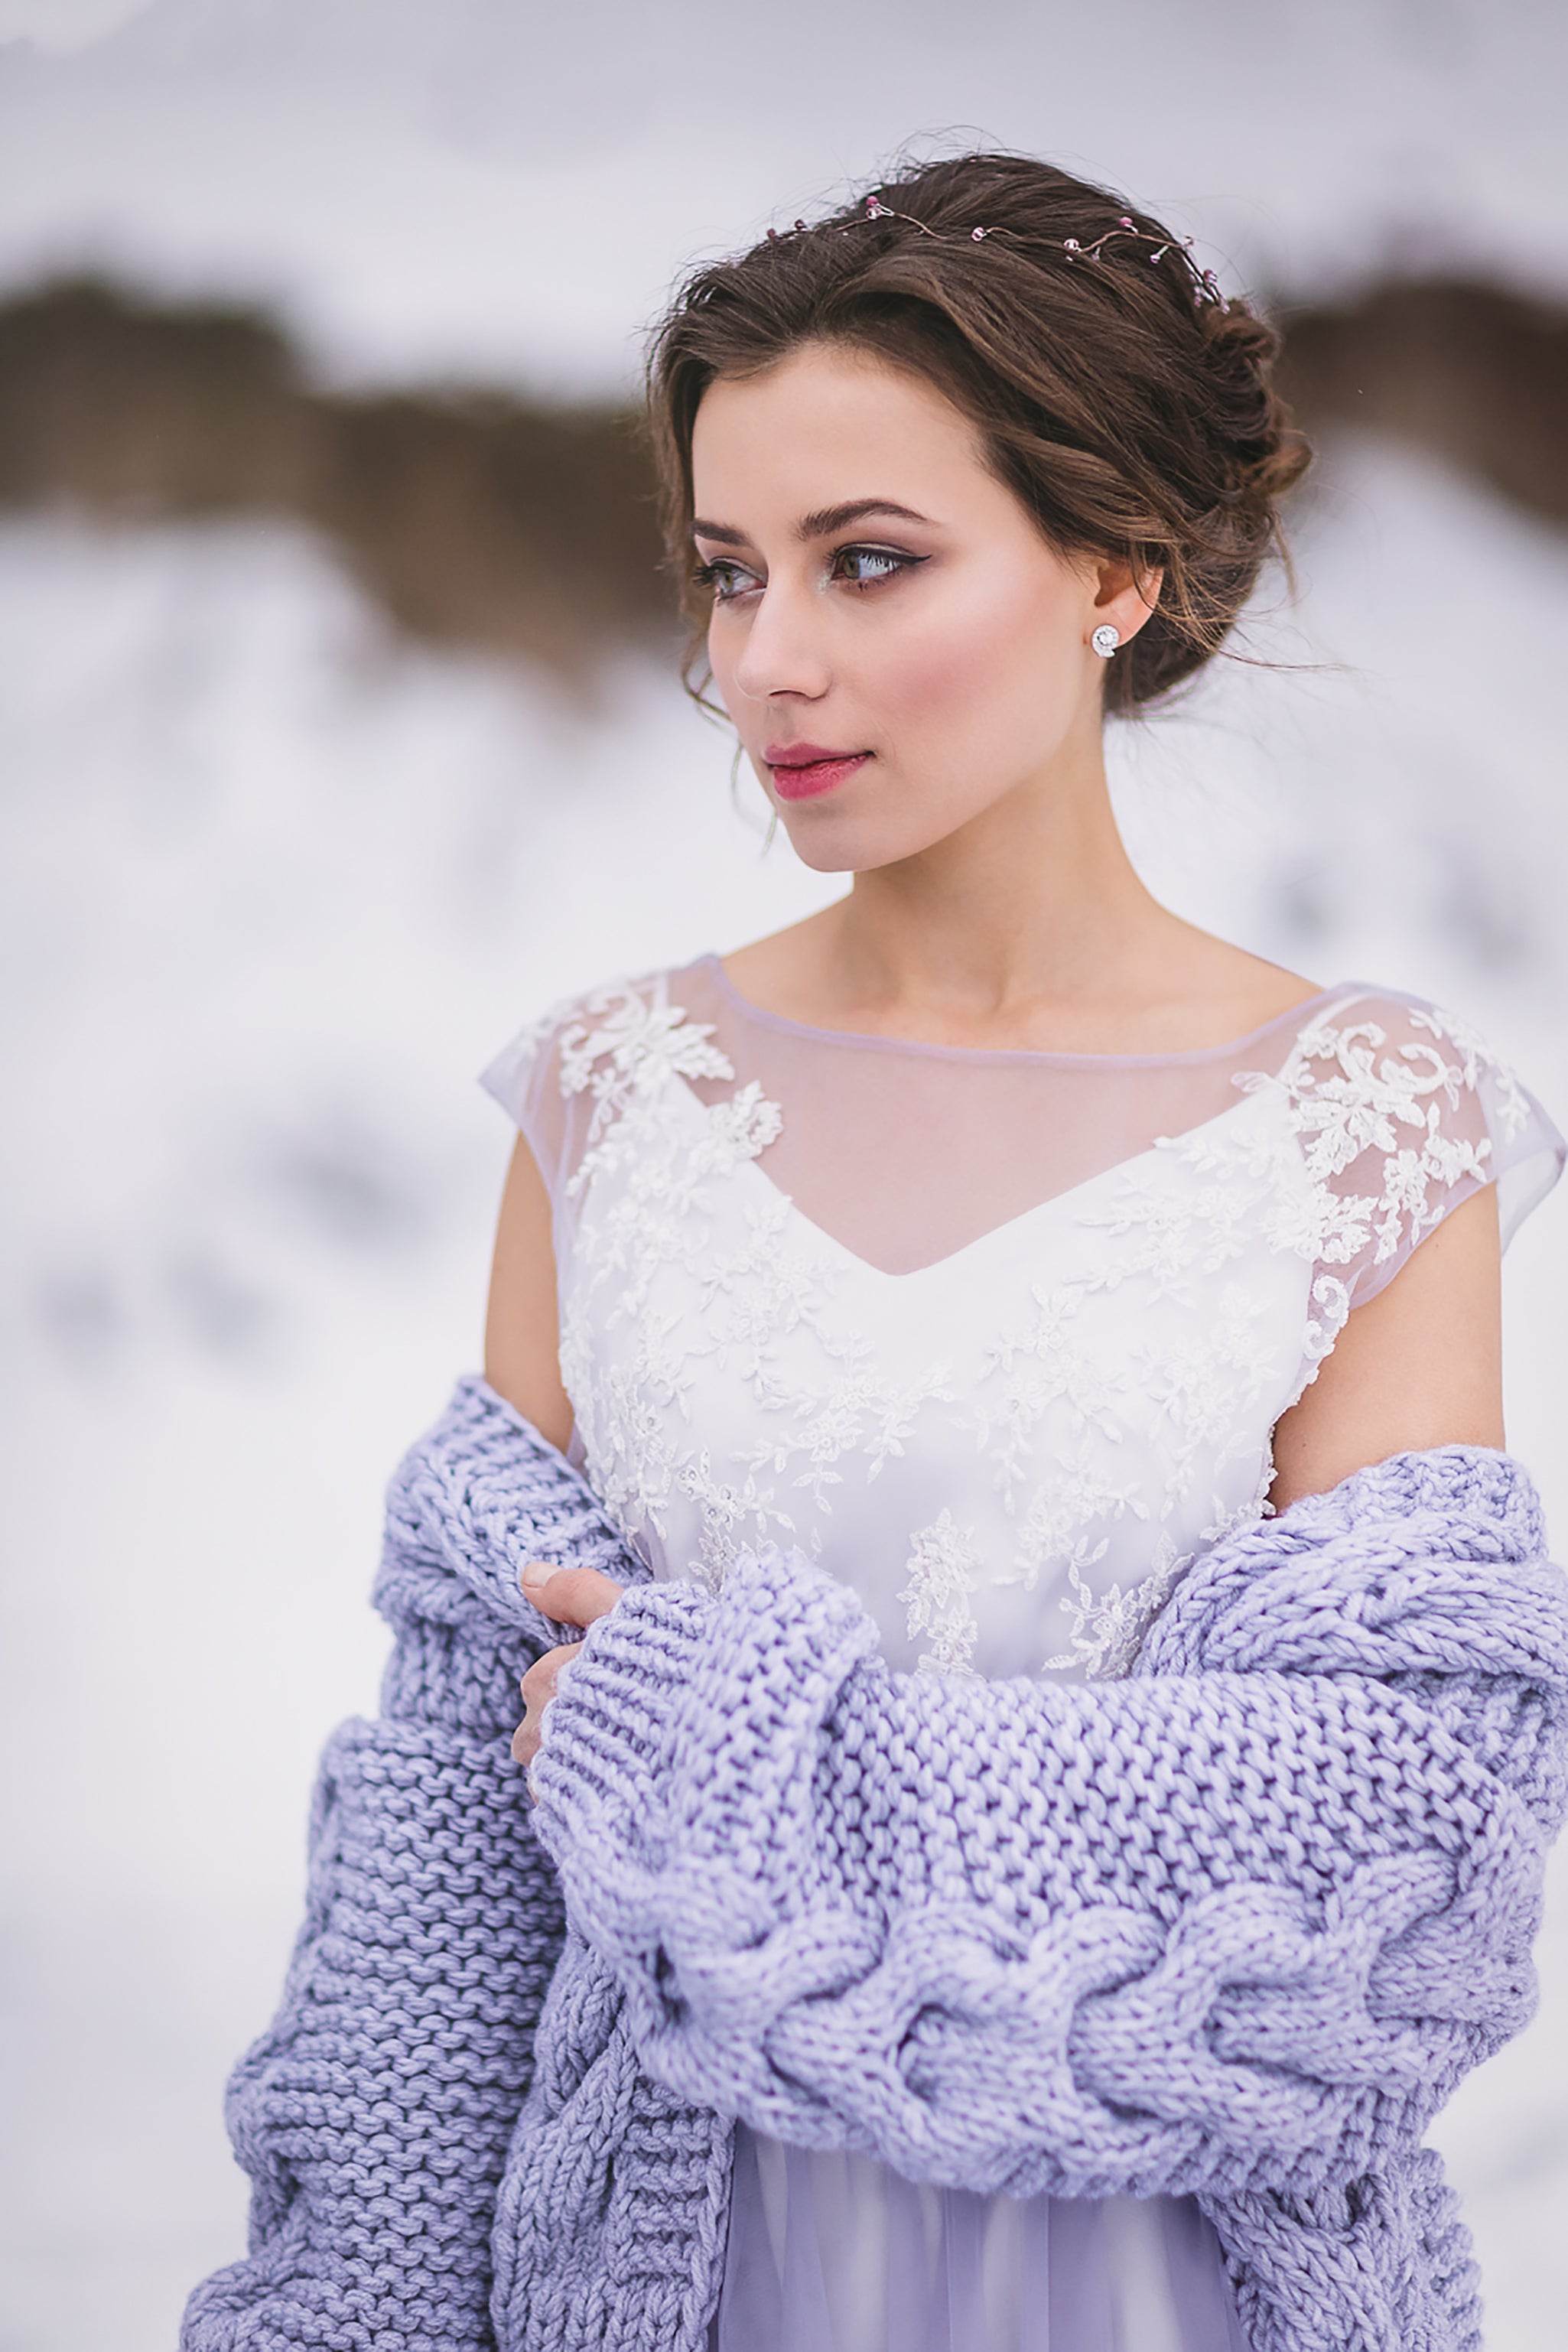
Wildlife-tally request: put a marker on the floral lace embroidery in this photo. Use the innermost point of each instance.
(1108, 1627)
(1203, 1387)
(1049, 1417)
(945, 1567)
(1380, 1114)
(666, 1147)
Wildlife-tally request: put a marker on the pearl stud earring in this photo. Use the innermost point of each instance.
(1105, 640)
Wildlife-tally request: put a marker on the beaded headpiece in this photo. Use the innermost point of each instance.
(1206, 284)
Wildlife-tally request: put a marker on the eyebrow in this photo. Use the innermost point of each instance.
(818, 524)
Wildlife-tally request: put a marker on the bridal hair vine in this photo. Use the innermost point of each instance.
(1205, 284)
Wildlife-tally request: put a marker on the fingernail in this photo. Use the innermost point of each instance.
(535, 1575)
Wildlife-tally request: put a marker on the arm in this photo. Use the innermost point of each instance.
(522, 1363)
(1238, 1923)
(522, 1332)
(1419, 1365)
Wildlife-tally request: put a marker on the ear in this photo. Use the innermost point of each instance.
(1123, 595)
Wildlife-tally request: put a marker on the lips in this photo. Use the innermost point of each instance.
(801, 771)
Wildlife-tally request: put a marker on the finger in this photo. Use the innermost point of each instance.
(525, 1739)
(572, 1596)
(538, 1687)
(525, 1742)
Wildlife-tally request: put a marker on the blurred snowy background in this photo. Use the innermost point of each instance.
(339, 732)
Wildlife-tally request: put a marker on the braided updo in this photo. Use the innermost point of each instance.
(1129, 407)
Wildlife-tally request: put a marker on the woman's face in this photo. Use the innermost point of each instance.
(882, 599)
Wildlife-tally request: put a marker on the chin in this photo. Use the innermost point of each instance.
(815, 848)
(856, 849)
(900, 817)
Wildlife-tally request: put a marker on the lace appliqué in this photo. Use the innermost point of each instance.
(1085, 1436)
(664, 1151)
(943, 1568)
(1108, 1628)
(635, 1047)
(1379, 1138)
(1390, 1135)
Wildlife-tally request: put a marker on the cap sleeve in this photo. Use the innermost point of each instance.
(1403, 1112)
(561, 1078)
(539, 1082)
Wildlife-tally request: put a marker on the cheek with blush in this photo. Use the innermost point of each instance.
(992, 675)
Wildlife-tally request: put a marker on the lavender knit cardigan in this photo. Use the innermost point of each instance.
(1233, 1926)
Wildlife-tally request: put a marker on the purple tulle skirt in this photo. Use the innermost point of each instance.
(836, 2253)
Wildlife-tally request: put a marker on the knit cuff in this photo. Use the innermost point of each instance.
(606, 1735)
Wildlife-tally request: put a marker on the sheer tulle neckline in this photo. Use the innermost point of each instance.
(1008, 1232)
(712, 963)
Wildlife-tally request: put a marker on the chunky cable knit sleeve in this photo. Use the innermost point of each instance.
(375, 2114)
(1235, 1925)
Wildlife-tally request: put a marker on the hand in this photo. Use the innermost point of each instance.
(573, 1596)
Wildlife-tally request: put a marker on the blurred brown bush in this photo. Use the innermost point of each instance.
(1475, 374)
(473, 517)
(477, 519)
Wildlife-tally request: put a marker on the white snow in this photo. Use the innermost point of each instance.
(274, 885)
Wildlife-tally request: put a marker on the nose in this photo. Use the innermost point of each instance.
(784, 649)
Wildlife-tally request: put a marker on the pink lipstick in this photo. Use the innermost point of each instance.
(801, 771)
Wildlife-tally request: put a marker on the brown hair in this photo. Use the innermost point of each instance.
(1129, 406)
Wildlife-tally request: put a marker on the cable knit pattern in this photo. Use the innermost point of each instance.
(1238, 1923)
(1235, 1925)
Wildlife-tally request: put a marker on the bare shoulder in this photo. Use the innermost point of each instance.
(784, 971)
(1226, 990)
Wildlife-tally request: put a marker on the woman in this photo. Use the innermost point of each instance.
(994, 1237)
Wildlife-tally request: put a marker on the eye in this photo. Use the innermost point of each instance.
(729, 580)
(892, 558)
(719, 575)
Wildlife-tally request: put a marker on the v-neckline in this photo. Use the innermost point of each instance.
(993, 1236)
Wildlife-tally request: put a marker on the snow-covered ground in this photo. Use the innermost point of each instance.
(274, 885)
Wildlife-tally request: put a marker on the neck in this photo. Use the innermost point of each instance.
(1034, 905)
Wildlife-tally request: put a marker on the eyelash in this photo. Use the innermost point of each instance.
(707, 575)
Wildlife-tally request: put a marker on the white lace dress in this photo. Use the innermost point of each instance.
(1001, 1339)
